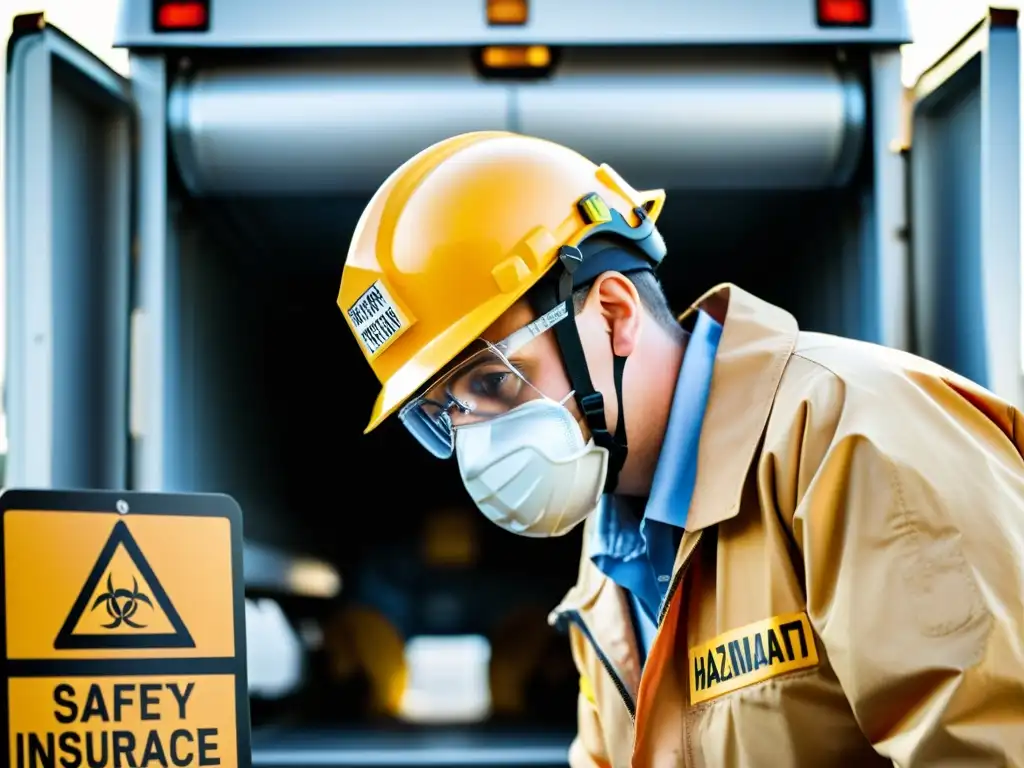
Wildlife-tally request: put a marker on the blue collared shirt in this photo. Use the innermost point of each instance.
(636, 548)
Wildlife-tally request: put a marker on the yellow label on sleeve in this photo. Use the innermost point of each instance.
(751, 654)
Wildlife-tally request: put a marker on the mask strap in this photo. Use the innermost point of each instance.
(590, 401)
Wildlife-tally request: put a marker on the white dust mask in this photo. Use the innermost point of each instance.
(530, 470)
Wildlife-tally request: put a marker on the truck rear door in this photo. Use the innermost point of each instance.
(965, 208)
(69, 137)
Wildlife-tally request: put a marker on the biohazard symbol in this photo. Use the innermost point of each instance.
(122, 603)
(120, 620)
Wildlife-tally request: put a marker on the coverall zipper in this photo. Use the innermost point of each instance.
(627, 699)
(668, 595)
(575, 618)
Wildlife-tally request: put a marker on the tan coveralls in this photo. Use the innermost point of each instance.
(849, 590)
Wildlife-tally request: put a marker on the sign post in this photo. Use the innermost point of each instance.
(123, 631)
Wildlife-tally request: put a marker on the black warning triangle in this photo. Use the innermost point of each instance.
(67, 640)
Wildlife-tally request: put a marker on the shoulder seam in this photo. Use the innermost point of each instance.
(817, 364)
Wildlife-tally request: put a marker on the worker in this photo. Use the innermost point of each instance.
(799, 549)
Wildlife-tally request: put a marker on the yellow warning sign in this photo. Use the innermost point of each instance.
(124, 630)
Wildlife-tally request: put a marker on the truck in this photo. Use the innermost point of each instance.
(175, 241)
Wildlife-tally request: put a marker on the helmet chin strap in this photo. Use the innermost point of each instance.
(613, 244)
(590, 401)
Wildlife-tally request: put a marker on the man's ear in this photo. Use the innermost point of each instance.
(614, 298)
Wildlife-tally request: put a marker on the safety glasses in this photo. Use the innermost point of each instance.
(482, 383)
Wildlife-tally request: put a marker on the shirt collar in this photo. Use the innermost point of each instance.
(676, 471)
(616, 533)
(615, 537)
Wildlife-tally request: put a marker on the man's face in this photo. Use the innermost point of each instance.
(518, 361)
(540, 361)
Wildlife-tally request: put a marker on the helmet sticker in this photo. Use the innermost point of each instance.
(376, 319)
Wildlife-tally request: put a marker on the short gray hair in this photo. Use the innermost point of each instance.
(652, 297)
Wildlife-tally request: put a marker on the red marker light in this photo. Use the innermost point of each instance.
(182, 16)
(844, 13)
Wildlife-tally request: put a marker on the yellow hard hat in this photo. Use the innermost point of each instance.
(459, 233)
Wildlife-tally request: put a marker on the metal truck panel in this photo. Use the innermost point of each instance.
(335, 127)
(68, 260)
(330, 23)
(965, 192)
